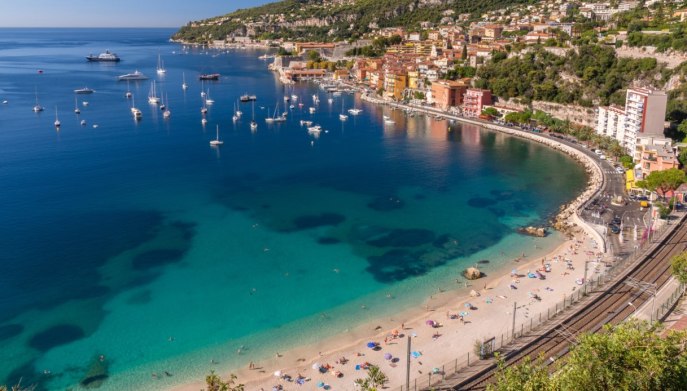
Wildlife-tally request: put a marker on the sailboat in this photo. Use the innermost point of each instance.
(152, 94)
(160, 66)
(57, 120)
(134, 111)
(217, 141)
(204, 109)
(128, 91)
(237, 111)
(269, 120)
(167, 112)
(253, 124)
(208, 100)
(162, 103)
(342, 116)
(37, 107)
(184, 86)
(76, 106)
(235, 117)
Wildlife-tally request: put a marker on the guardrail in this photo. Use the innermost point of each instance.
(603, 273)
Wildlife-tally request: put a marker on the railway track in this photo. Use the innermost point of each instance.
(609, 306)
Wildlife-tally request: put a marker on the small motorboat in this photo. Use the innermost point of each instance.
(84, 90)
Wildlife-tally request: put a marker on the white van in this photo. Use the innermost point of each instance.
(602, 157)
(598, 152)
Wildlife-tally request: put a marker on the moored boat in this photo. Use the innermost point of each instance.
(108, 56)
(84, 90)
(136, 75)
(210, 76)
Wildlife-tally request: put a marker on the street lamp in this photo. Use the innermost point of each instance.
(643, 286)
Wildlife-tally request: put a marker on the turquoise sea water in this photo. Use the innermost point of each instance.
(140, 242)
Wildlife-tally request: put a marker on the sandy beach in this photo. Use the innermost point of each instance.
(490, 316)
(338, 361)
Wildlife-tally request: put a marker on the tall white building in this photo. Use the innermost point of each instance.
(643, 116)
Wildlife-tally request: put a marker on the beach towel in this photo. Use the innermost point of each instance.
(416, 354)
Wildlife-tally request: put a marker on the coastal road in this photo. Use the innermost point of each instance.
(602, 212)
(607, 306)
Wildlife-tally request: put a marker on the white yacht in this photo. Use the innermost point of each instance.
(184, 86)
(354, 111)
(312, 110)
(76, 106)
(137, 75)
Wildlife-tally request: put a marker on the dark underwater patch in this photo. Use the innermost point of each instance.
(481, 202)
(73, 246)
(403, 238)
(328, 240)
(313, 221)
(155, 258)
(96, 374)
(139, 298)
(56, 336)
(386, 203)
(10, 330)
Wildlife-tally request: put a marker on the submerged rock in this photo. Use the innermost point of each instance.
(472, 273)
(533, 231)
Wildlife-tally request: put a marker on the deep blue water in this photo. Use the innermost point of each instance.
(116, 237)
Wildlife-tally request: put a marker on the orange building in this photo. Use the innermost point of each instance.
(448, 93)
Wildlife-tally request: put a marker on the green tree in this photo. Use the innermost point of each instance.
(629, 356)
(464, 55)
(678, 266)
(530, 376)
(663, 181)
(682, 158)
(375, 379)
(492, 112)
(627, 161)
(313, 55)
(215, 383)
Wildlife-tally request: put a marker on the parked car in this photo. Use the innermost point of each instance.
(615, 229)
(642, 198)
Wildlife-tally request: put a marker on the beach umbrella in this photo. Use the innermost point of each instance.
(387, 356)
(277, 373)
(430, 323)
(468, 305)
(371, 345)
(316, 366)
(320, 384)
(394, 332)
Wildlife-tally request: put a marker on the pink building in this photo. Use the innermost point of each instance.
(474, 101)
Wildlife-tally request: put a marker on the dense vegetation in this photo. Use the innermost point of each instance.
(589, 75)
(350, 20)
(630, 356)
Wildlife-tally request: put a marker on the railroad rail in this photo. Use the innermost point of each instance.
(608, 306)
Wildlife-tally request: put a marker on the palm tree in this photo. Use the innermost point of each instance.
(215, 383)
(375, 379)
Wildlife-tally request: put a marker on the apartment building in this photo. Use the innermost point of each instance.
(643, 115)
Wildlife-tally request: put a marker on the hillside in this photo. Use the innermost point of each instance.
(332, 20)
